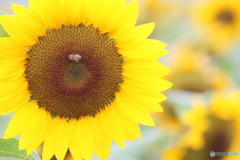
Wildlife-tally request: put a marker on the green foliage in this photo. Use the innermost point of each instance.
(9, 150)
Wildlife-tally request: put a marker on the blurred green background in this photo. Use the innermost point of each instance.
(202, 112)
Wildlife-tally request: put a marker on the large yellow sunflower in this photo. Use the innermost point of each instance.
(78, 74)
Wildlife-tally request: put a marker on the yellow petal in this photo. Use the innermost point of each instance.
(74, 149)
(40, 135)
(99, 134)
(155, 107)
(61, 140)
(140, 93)
(48, 149)
(37, 7)
(11, 70)
(111, 125)
(128, 18)
(160, 85)
(143, 77)
(132, 15)
(14, 105)
(102, 141)
(11, 55)
(20, 97)
(129, 136)
(146, 48)
(10, 50)
(157, 55)
(74, 146)
(130, 126)
(144, 71)
(110, 15)
(146, 68)
(157, 85)
(53, 18)
(62, 2)
(17, 31)
(74, 11)
(37, 122)
(9, 88)
(14, 96)
(132, 37)
(33, 22)
(91, 10)
(102, 148)
(59, 143)
(18, 120)
(133, 111)
(85, 138)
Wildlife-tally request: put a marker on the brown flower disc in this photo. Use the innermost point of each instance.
(74, 71)
(226, 17)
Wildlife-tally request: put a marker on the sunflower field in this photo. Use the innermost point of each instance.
(190, 53)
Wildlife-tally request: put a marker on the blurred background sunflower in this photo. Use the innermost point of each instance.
(203, 107)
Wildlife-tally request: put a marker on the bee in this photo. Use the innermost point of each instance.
(74, 57)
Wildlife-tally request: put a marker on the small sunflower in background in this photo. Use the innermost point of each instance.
(225, 108)
(158, 11)
(220, 22)
(187, 72)
(196, 123)
(168, 120)
(78, 74)
(210, 127)
(218, 78)
(151, 9)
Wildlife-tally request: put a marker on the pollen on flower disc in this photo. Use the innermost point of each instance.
(74, 71)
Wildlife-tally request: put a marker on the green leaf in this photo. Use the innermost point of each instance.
(2, 31)
(9, 151)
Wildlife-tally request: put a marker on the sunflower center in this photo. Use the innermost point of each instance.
(75, 74)
(225, 17)
(74, 71)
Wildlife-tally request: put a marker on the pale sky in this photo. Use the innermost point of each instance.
(6, 7)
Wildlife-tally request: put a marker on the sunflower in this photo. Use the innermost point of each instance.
(193, 120)
(187, 72)
(211, 127)
(229, 130)
(151, 9)
(220, 21)
(167, 120)
(78, 75)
